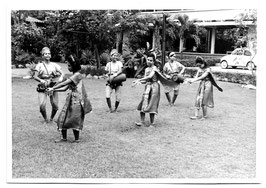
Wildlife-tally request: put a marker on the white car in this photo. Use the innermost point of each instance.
(240, 57)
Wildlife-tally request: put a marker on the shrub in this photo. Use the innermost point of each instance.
(240, 78)
(212, 62)
(191, 62)
(87, 57)
(104, 58)
(190, 72)
(25, 58)
(127, 56)
(236, 78)
(92, 70)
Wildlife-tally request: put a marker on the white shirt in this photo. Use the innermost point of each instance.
(113, 67)
(173, 67)
(51, 69)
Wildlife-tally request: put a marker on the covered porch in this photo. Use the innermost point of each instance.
(211, 20)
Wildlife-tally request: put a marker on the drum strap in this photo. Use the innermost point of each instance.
(46, 69)
(110, 69)
(171, 67)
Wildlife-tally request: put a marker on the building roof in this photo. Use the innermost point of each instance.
(218, 17)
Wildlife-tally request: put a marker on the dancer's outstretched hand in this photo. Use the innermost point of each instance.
(135, 82)
(188, 80)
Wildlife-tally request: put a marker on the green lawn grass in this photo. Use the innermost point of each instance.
(222, 146)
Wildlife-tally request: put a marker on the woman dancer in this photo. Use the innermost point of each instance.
(77, 102)
(204, 97)
(151, 95)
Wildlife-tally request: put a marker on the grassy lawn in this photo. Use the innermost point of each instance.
(222, 146)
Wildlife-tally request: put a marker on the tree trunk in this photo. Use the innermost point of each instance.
(119, 41)
(181, 43)
(97, 57)
(77, 50)
(153, 40)
(120, 46)
(163, 40)
(156, 39)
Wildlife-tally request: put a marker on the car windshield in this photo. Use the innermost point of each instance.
(237, 52)
(240, 51)
(247, 53)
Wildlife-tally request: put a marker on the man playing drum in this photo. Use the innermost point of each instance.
(46, 74)
(114, 68)
(172, 68)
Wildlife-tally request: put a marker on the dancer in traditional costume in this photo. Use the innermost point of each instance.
(204, 96)
(151, 95)
(77, 104)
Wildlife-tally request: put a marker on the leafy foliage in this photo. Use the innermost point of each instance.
(104, 58)
(240, 78)
(190, 62)
(92, 70)
(95, 32)
(87, 57)
(187, 29)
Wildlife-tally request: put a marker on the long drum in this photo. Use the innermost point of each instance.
(119, 78)
(178, 79)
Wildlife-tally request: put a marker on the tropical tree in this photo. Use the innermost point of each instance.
(246, 33)
(100, 34)
(71, 35)
(187, 29)
(29, 36)
(26, 37)
(140, 32)
(87, 30)
(129, 24)
(243, 35)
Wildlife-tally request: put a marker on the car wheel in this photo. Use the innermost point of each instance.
(224, 64)
(250, 66)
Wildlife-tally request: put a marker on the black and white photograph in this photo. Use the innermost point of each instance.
(134, 95)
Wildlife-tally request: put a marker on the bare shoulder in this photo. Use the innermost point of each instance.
(155, 68)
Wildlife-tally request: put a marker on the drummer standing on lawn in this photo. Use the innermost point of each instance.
(46, 72)
(171, 68)
(114, 68)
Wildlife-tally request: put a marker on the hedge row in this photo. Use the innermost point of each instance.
(191, 62)
(236, 78)
(240, 78)
(92, 70)
(190, 72)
